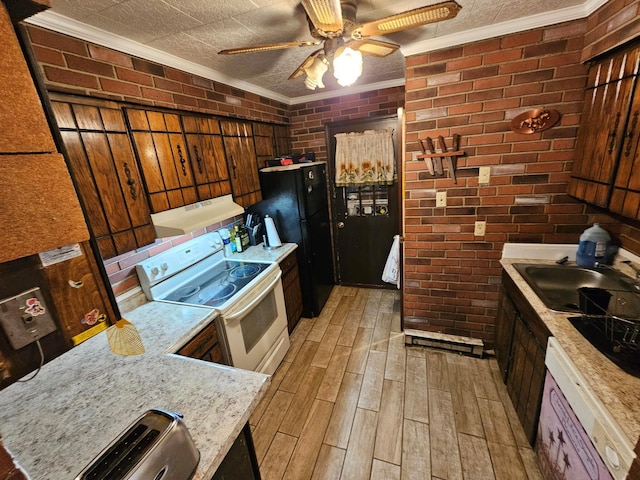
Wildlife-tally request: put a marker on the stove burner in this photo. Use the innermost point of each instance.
(245, 271)
(216, 293)
(185, 292)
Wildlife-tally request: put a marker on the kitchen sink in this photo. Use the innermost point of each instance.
(558, 286)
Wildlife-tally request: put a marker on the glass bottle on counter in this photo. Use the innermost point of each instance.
(237, 238)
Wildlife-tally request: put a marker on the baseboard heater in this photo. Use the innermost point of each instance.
(455, 343)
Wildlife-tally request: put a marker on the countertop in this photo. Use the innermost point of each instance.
(57, 423)
(617, 390)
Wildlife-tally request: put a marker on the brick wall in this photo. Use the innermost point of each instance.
(451, 276)
(308, 120)
(613, 24)
(75, 66)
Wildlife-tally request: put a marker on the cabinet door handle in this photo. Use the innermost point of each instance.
(130, 181)
(631, 133)
(612, 135)
(234, 167)
(198, 159)
(182, 161)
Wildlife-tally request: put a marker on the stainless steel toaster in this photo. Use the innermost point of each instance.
(157, 446)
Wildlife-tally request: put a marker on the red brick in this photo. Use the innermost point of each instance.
(48, 55)
(170, 85)
(87, 65)
(110, 56)
(133, 76)
(153, 94)
(56, 41)
(503, 56)
(67, 77)
(116, 86)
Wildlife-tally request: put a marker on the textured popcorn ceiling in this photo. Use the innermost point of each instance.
(195, 30)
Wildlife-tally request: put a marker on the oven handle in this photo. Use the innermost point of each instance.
(267, 291)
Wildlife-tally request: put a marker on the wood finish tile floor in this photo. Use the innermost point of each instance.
(351, 402)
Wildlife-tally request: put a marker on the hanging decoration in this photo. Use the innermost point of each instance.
(365, 158)
(536, 120)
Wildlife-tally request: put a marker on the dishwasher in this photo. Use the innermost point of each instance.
(577, 438)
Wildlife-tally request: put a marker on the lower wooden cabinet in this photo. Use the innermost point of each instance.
(520, 345)
(292, 290)
(204, 346)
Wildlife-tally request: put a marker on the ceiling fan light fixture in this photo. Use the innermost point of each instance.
(347, 66)
(315, 72)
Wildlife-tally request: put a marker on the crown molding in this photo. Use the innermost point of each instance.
(73, 28)
(504, 28)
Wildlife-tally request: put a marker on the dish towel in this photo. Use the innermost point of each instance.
(391, 272)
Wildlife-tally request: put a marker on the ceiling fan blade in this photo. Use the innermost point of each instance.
(405, 20)
(306, 64)
(268, 47)
(375, 48)
(326, 16)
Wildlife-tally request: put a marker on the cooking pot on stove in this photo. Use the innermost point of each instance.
(157, 446)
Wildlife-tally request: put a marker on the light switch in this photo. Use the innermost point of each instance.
(441, 199)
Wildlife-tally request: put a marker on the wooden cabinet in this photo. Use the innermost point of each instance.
(204, 346)
(161, 149)
(106, 175)
(292, 290)
(603, 172)
(207, 158)
(282, 139)
(520, 344)
(79, 295)
(263, 136)
(241, 159)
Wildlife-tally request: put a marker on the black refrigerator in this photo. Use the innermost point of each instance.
(295, 196)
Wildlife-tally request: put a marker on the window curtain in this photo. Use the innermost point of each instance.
(365, 158)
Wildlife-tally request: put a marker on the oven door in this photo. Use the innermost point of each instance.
(254, 328)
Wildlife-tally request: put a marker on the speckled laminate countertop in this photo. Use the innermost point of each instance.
(55, 424)
(618, 391)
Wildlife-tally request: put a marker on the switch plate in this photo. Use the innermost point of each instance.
(485, 175)
(25, 318)
(441, 199)
(480, 228)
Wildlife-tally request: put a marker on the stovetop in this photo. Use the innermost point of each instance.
(215, 286)
(197, 273)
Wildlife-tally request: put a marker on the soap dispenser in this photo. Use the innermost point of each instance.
(593, 246)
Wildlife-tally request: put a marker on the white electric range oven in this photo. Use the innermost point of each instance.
(248, 296)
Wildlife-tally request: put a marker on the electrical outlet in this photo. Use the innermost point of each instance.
(485, 174)
(441, 199)
(480, 229)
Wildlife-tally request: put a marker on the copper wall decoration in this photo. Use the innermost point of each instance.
(533, 121)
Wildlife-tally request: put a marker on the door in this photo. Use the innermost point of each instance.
(365, 219)
(241, 159)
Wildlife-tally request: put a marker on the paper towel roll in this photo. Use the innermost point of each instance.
(272, 234)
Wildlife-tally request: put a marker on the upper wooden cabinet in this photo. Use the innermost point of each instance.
(160, 145)
(207, 158)
(241, 158)
(603, 170)
(106, 175)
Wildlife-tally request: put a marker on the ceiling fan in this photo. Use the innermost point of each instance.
(333, 25)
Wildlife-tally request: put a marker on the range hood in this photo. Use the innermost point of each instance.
(181, 220)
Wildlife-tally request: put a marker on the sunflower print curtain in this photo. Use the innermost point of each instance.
(365, 158)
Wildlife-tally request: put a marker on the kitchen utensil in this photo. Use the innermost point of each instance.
(437, 161)
(428, 161)
(124, 338)
(157, 445)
